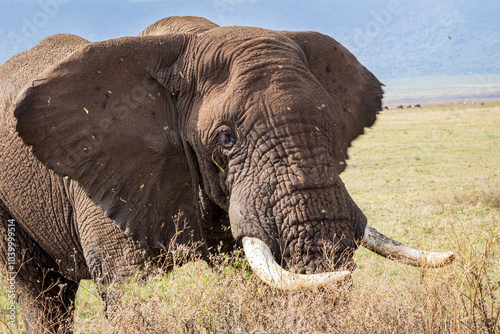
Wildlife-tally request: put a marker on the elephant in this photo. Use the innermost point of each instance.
(187, 135)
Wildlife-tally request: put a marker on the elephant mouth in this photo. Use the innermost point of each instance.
(263, 253)
(269, 271)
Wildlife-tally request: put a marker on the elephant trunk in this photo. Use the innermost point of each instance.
(268, 270)
(393, 250)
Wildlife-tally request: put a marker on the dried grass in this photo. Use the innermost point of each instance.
(456, 211)
(462, 298)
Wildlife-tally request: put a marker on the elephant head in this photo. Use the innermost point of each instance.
(211, 126)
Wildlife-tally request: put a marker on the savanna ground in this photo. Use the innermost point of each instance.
(427, 177)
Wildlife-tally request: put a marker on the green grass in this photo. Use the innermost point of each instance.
(428, 177)
(421, 163)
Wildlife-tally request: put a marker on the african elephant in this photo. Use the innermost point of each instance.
(238, 134)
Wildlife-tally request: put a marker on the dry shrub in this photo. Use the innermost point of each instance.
(227, 298)
(383, 297)
(59, 322)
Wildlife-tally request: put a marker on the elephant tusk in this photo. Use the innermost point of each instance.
(391, 249)
(268, 270)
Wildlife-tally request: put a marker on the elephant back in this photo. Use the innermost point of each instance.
(179, 24)
(21, 70)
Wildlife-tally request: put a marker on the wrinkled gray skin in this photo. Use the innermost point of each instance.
(239, 128)
(62, 237)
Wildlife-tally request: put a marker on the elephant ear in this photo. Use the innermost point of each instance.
(356, 93)
(101, 118)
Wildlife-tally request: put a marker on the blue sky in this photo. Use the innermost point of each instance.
(393, 38)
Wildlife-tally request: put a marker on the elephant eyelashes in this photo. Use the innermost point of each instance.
(226, 137)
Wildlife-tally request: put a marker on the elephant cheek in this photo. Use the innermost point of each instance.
(245, 221)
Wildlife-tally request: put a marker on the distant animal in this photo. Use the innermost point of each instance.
(189, 134)
(400, 107)
(417, 106)
(386, 108)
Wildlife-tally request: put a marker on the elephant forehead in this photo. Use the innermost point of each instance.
(297, 101)
(241, 40)
(293, 106)
(225, 51)
(269, 103)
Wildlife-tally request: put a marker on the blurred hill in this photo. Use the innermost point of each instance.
(393, 38)
(397, 39)
(435, 38)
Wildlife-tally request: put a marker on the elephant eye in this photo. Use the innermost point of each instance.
(227, 138)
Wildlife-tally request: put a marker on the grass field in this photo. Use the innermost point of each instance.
(427, 177)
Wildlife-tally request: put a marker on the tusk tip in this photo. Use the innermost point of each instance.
(443, 259)
(265, 267)
(344, 275)
(391, 249)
